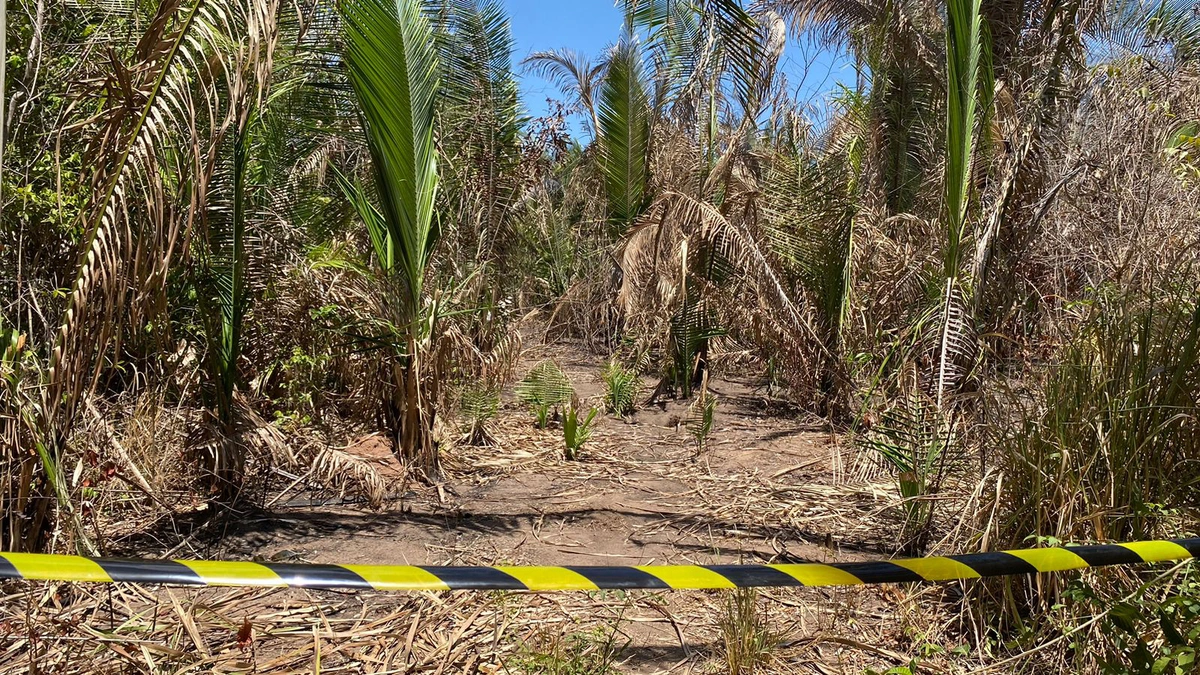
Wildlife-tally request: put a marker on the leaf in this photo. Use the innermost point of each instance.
(624, 118)
(1170, 631)
(545, 385)
(393, 66)
(245, 635)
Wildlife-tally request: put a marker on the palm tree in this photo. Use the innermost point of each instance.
(392, 62)
(480, 127)
(137, 220)
(574, 74)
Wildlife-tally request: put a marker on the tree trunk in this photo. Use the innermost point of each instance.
(412, 415)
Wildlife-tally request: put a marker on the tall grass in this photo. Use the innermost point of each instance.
(1111, 434)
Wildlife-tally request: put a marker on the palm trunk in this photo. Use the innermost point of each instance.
(412, 416)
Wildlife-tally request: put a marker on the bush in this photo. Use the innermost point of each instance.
(1111, 433)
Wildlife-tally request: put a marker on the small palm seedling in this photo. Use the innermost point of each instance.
(545, 389)
(576, 429)
(699, 422)
(913, 437)
(621, 389)
(479, 405)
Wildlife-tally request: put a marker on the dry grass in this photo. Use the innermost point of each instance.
(129, 629)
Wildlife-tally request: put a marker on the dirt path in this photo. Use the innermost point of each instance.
(763, 490)
(638, 495)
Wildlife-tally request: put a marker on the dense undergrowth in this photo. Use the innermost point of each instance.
(237, 233)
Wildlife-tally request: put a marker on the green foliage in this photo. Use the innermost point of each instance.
(545, 388)
(963, 58)
(1154, 631)
(593, 652)
(699, 422)
(913, 436)
(392, 62)
(552, 253)
(393, 67)
(1109, 436)
(748, 640)
(624, 141)
(691, 329)
(478, 406)
(480, 126)
(576, 429)
(304, 377)
(621, 388)
(812, 205)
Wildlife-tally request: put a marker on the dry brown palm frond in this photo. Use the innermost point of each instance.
(337, 468)
(686, 253)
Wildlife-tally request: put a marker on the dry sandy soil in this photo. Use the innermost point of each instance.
(771, 486)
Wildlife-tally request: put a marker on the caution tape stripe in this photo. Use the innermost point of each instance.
(662, 577)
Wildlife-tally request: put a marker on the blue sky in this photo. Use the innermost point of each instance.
(588, 26)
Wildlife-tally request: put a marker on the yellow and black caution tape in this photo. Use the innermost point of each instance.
(410, 578)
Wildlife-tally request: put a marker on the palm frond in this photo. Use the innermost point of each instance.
(1160, 31)
(574, 74)
(477, 73)
(176, 42)
(810, 209)
(392, 62)
(624, 118)
(545, 384)
(963, 59)
(621, 388)
(545, 388)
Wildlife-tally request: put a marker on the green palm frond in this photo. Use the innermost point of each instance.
(811, 208)
(915, 439)
(574, 74)
(478, 405)
(478, 88)
(621, 388)
(963, 59)
(624, 118)
(1157, 30)
(577, 428)
(392, 62)
(545, 388)
(692, 327)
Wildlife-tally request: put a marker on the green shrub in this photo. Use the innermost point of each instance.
(1108, 443)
